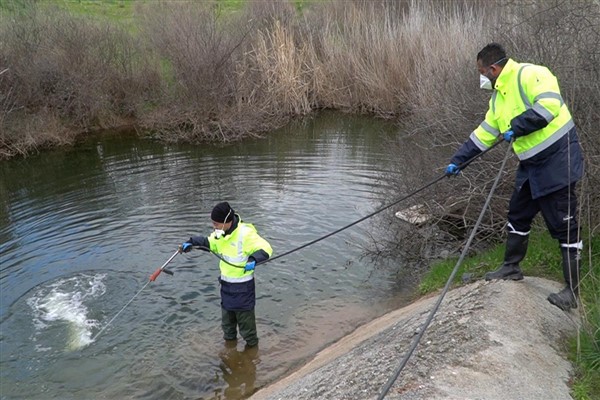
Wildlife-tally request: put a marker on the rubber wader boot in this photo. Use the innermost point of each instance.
(516, 248)
(567, 298)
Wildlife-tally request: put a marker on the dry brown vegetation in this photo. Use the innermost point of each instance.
(189, 72)
(447, 104)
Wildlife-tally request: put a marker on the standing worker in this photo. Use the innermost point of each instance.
(527, 109)
(240, 248)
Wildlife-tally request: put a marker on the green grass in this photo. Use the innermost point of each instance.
(112, 10)
(122, 10)
(585, 355)
(230, 5)
(544, 259)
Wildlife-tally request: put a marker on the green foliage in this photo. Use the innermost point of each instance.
(585, 348)
(302, 5)
(122, 10)
(230, 5)
(543, 259)
(587, 387)
(14, 6)
(112, 10)
(586, 357)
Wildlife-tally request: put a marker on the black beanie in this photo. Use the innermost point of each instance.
(222, 213)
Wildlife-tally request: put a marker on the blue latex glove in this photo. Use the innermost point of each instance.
(250, 266)
(452, 169)
(509, 136)
(185, 247)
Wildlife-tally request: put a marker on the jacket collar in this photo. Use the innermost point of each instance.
(508, 72)
(236, 221)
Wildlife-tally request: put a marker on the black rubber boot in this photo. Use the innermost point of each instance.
(516, 248)
(567, 298)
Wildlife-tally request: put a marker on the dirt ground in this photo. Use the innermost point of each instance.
(489, 340)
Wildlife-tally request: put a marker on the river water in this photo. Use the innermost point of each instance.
(82, 229)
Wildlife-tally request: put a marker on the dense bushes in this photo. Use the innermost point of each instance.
(186, 71)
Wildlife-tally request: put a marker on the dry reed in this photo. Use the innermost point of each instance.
(193, 74)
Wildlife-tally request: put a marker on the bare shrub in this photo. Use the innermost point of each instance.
(198, 48)
(23, 134)
(447, 103)
(8, 107)
(565, 36)
(358, 54)
(72, 69)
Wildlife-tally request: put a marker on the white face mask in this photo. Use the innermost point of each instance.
(485, 83)
(219, 233)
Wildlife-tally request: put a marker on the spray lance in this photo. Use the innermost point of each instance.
(163, 267)
(152, 279)
(180, 250)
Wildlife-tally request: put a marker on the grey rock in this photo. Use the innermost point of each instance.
(489, 340)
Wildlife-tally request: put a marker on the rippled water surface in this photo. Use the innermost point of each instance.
(82, 229)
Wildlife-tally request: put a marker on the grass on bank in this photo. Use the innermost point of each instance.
(123, 10)
(543, 259)
(112, 10)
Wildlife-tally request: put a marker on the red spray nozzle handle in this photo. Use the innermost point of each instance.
(161, 269)
(155, 275)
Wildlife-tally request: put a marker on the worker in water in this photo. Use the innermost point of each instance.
(240, 248)
(527, 110)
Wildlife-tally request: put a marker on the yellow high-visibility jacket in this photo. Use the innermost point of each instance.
(239, 243)
(236, 248)
(527, 100)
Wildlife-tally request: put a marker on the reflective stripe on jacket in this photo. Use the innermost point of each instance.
(527, 100)
(519, 88)
(236, 247)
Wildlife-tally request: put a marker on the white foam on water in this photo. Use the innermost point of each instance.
(65, 301)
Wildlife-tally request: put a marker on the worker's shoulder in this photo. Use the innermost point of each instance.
(246, 226)
(531, 71)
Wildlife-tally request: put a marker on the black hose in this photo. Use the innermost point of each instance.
(417, 339)
(434, 181)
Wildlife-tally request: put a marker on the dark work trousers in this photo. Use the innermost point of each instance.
(246, 320)
(558, 208)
